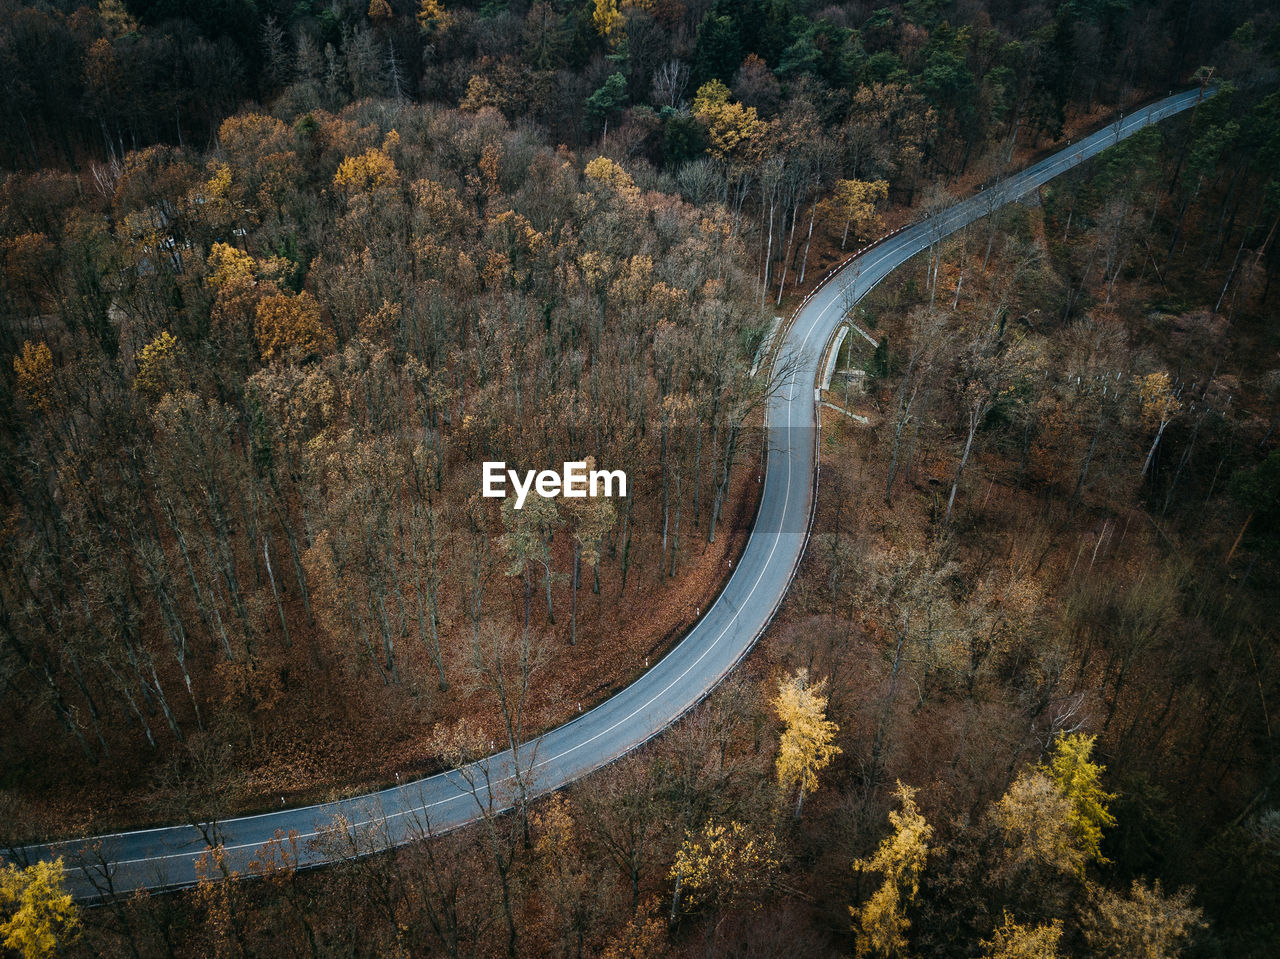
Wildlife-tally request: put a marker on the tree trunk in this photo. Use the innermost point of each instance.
(975, 417)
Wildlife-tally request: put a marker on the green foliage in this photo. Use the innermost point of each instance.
(719, 48)
(683, 137)
(1242, 885)
(878, 368)
(801, 57)
(1145, 837)
(885, 67)
(1257, 490)
(608, 97)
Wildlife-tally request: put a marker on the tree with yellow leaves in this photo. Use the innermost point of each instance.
(233, 276)
(711, 96)
(721, 865)
(116, 19)
(218, 202)
(1159, 405)
(643, 937)
(228, 266)
(881, 923)
(731, 127)
(807, 745)
(608, 20)
(369, 172)
(1078, 779)
(856, 200)
(1033, 819)
(158, 366)
(38, 914)
(287, 324)
(565, 876)
(433, 16)
(1147, 924)
(1012, 941)
(35, 373)
(29, 263)
(604, 170)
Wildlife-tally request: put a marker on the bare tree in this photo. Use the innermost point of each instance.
(669, 83)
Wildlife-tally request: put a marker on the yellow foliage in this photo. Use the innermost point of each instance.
(35, 373)
(723, 864)
(517, 235)
(246, 137)
(854, 201)
(1158, 402)
(25, 255)
(1078, 780)
(276, 269)
(644, 937)
(711, 96)
(667, 298)
(1147, 924)
(604, 170)
(606, 17)
(38, 913)
(554, 827)
(433, 15)
(379, 10)
(1034, 818)
(596, 266)
(881, 924)
(116, 18)
(214, 200)
(731, 127)
(158, 368)
(219, 182)
(634, 280)
(481, 92)
(369, 172)
(717, 230)
(386, 319)
(1012, 941)
(439, 209)
(807, 745)
(287, 324)
(490, 166)
(228, 265)
(496, 270)
(100, 67)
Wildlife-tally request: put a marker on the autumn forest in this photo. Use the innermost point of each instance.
(277, 278)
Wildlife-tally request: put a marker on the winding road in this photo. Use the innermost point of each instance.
(166, 857)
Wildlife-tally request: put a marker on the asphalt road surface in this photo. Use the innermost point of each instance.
(166, 857)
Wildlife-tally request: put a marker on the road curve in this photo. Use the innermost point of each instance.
(166, 857)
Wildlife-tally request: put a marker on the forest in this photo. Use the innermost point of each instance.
(275, 279)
